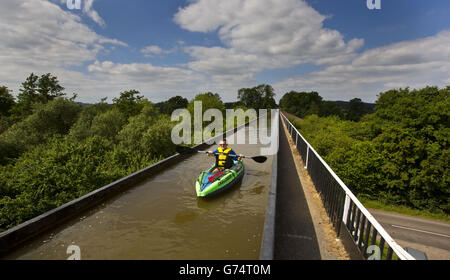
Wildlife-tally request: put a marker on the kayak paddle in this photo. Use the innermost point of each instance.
(187, 150)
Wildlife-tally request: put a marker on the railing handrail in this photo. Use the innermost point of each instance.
(401, 253)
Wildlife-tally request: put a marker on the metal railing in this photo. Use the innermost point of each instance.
(343, 208)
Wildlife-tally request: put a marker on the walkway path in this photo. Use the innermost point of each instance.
(295, 237)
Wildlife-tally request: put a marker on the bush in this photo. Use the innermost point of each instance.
(108, 124)
(54, 118)
(53, 174)
(143, 140)
(399, 154)
(81, 129)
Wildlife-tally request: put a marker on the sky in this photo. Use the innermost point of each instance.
(341, 49)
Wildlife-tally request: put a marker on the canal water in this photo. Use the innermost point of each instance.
(161, 218)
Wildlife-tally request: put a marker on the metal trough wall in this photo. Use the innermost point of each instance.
(268, 240)
(15, 236)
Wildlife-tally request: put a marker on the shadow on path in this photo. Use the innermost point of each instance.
(295, 237)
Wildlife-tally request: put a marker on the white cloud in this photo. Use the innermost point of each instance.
(154, 82)
(91, 13)
(415, 63)
(144, 72)
(62, 41)
(289, 30)
(38, 36)
(260, 35)
(87, 8)
(151, 50)
(40, 33)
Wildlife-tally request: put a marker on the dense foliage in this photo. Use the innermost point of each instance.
(176, 102)
(259, 97)
(302, 104)
(399, 154)
(54, 150)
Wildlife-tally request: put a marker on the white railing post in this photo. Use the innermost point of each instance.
(307, 156)
(346, 207)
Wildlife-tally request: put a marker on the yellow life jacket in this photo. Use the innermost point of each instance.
(223, 159)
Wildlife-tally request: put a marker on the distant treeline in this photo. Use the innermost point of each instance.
(398, 155)
(303, 104)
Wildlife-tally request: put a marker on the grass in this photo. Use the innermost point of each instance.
(374, 204)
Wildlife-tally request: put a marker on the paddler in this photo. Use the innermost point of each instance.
(224, 156)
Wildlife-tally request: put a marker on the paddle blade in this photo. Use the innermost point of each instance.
(259, 159)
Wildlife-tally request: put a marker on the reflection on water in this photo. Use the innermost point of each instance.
(162, 218)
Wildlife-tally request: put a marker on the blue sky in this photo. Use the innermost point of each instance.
(341, 49)
(397, 20)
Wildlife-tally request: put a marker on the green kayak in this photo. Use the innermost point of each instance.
(208, 184)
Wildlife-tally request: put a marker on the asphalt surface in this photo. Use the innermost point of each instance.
(429, 236)
(295, 237)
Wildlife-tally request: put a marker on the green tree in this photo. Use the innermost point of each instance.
(176, 102)
(413, 134)
(209, 100)
(356, 110)
(108, 124)
(55, 117)
(48, 88)
(129, 103)
(131, 134)
(53, 174)
(399, 154)
(82, 127)
(259, 97)
(6, 101)
(301, 104)
(329, 108)
(36, 90)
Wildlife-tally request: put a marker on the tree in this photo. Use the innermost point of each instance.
(399, 154)
(129, 103)
(6, 101)
(259, 97)
(329, 108)
(53, 174)
(209, 100)
(356, 110)
(268, 96)
(413, 132)
(36, 90)
(176, 102)
(49, 88)
(234, 105)
(301, 104)
(54, 118)
(108, 124)
(82, 127)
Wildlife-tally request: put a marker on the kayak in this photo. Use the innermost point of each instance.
(208, 184)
